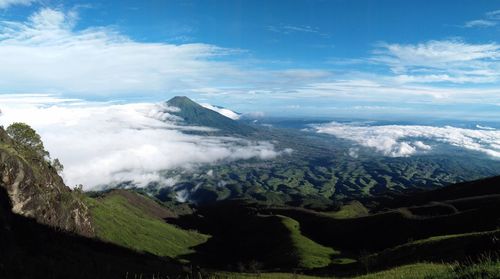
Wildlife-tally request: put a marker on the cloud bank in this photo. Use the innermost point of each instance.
(46, 52)
(407, 140)
(105, 144)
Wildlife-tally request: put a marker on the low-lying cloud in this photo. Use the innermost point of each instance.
(106, 144)
(407, 140)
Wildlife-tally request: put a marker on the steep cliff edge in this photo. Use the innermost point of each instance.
(37, 191)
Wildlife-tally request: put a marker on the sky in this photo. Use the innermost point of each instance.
(92, 76)
(318, 58)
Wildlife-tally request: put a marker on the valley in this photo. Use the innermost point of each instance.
(313, 211)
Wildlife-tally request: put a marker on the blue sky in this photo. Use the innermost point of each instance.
(371, 58)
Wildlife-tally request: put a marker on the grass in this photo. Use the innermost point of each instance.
(412, 271)
(485, 269)
(310, 253)
(230, 275)
(119, 222)
(451, 236)
(350, 210)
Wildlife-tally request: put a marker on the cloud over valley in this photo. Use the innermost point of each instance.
(105, 144)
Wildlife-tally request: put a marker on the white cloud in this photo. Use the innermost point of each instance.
(45, 54)
(494, 15)
(406, 140)
(4, 4)
(441, 61)
(480, 23)
(491, 19)
(223, 111)
(112, 143)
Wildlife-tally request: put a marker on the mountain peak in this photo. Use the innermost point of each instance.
(195, 114)
(181, 100)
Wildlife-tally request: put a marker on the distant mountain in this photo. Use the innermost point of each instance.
(196, 115)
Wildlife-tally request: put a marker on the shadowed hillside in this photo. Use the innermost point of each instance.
(32, 250)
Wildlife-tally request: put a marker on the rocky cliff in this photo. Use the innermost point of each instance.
(37, 191)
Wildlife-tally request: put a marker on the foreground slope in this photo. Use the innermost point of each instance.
(33, 250)
(135, 221)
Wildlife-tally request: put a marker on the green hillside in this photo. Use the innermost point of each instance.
(309, 253)
(486, 269)
(118, 221)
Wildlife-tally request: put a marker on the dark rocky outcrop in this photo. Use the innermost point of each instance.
(37, 191)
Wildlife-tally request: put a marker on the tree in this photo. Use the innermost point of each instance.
(56, 164)
(24, 135)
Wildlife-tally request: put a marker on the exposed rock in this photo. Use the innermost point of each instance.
(37, 191)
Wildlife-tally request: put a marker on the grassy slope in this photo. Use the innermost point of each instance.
(119, 222)
(440, 248)
(310, 253)
(485, 269)
(414, 271)
(351, 210)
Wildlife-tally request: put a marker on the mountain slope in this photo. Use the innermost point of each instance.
(32, 250)
(134, 221)
(37, 191)
(196, 115)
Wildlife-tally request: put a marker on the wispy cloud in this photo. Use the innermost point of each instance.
(4, 4)
(441, 61)
(105, 144)
(290, 29)
(480, 23)
(407, 140)
(490, 19)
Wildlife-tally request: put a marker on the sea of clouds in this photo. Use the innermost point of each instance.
(108, 143)
(407, 140)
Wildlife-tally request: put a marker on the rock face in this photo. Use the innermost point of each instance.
(37, 191)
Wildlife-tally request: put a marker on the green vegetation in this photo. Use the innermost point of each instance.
(486, 269)
(446, 247)
(351, 210)
(412, 271)
(24, 135)
(231, 275)
(30, 145)
(461, 236)
(309, 253)
(307, 175)
(117, 221)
